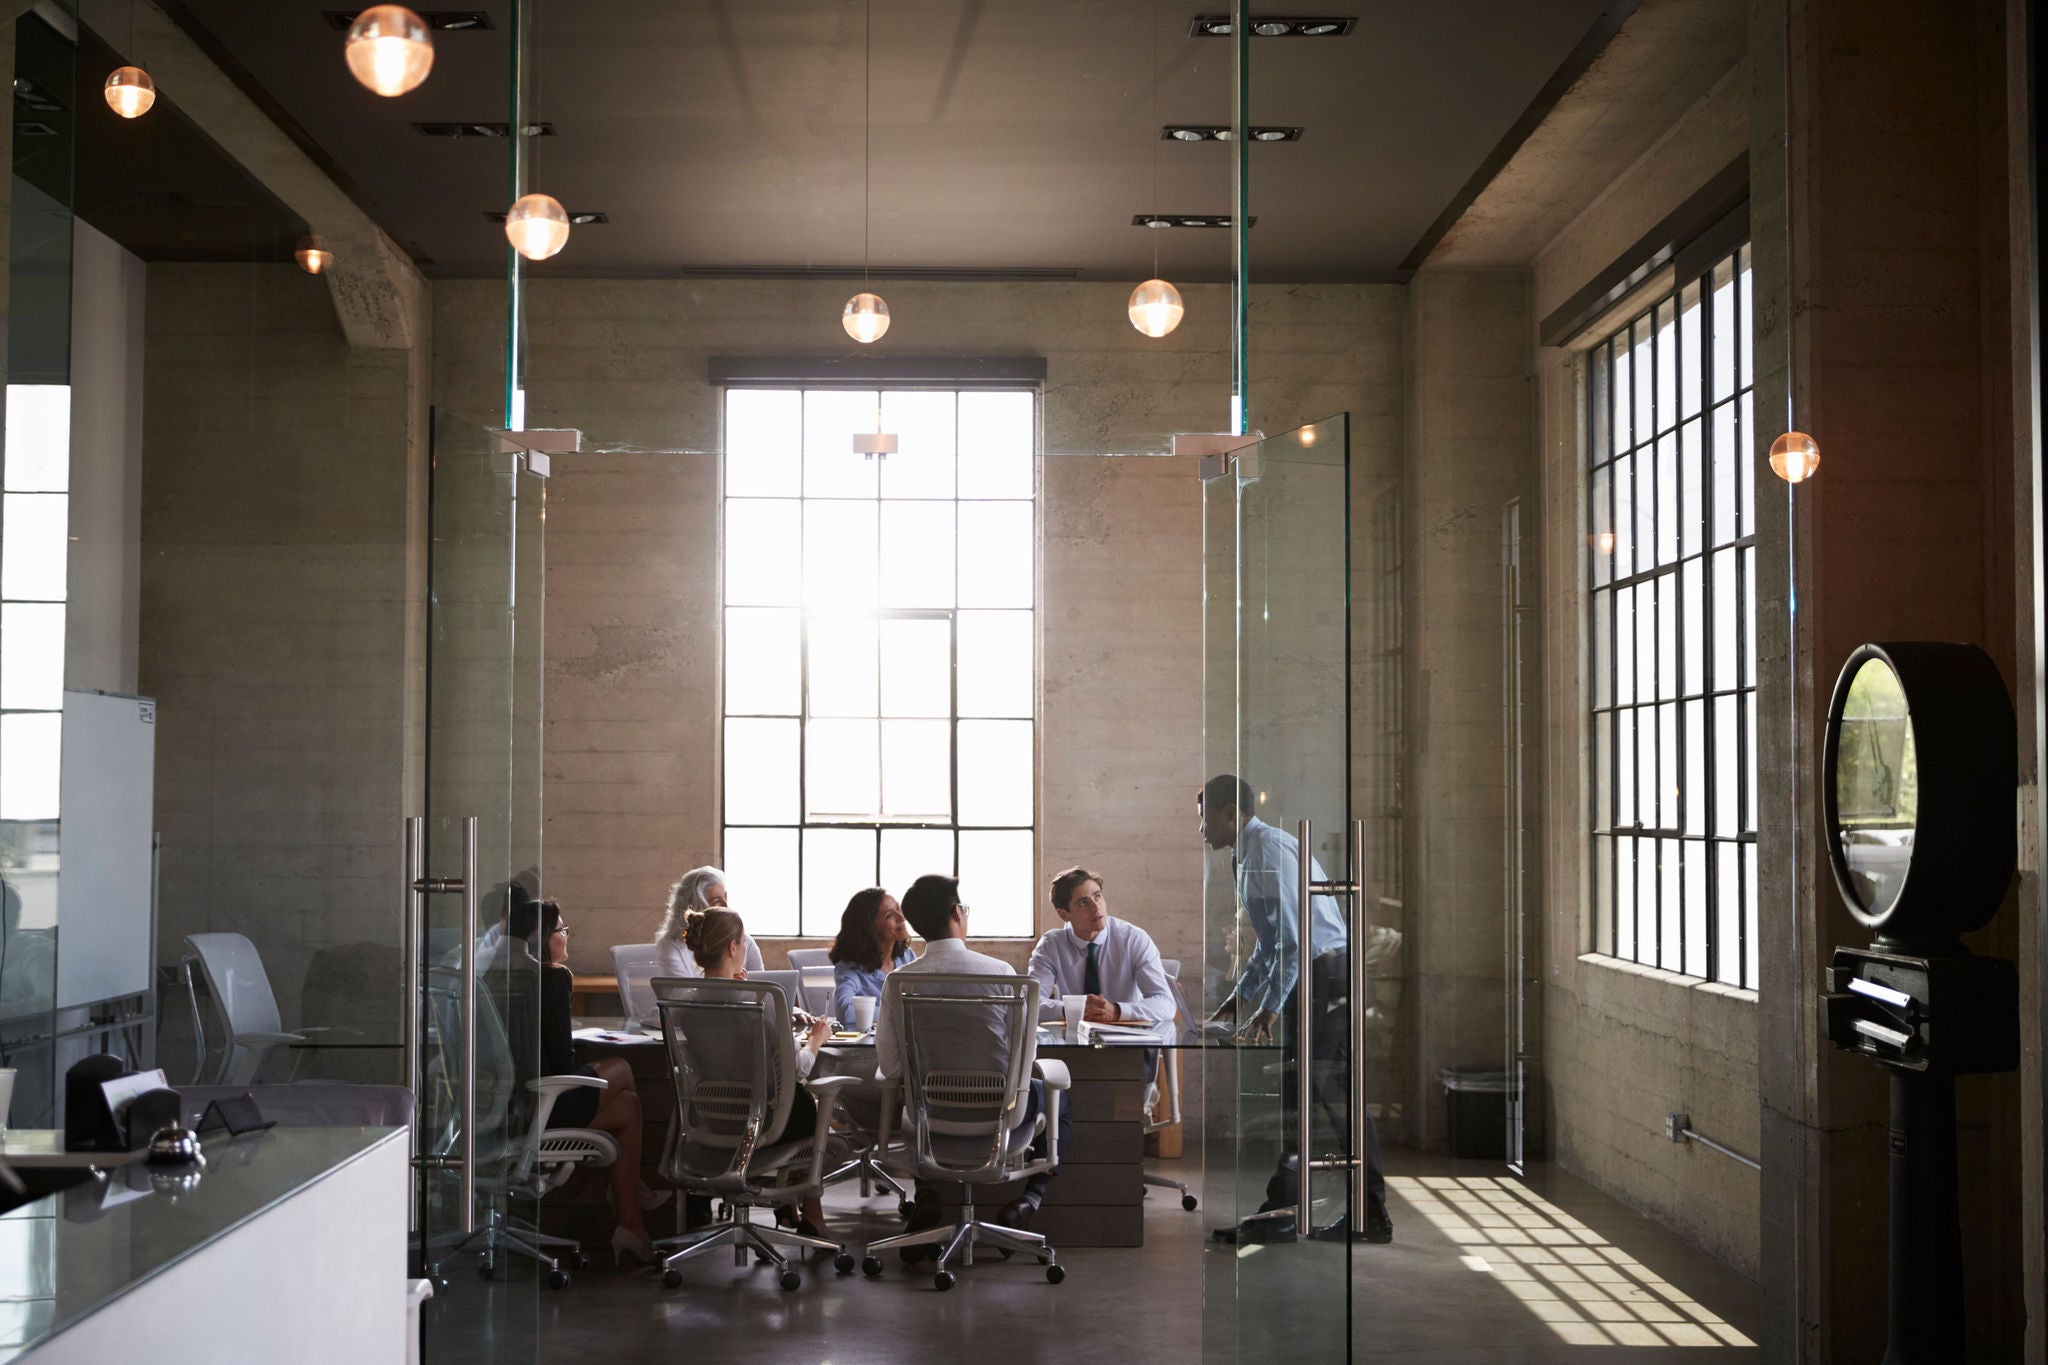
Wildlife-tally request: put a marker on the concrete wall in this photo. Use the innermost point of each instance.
(104, 581)
(1624, 1046)
(274, 604)
(630, 756)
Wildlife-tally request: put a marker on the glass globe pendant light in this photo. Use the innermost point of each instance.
(389, 49)
(1795, 456)
(1156, 308)
(537, 226)
(313, 255)
(130, 91)
(866, 318)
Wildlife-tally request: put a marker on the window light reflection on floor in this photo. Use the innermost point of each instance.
(1590, 1292)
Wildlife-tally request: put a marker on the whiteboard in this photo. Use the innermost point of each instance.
(106, 801)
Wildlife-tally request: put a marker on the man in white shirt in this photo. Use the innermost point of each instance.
(932, 905)
(1111, 961)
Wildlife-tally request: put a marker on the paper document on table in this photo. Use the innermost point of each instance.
(1131, 1033)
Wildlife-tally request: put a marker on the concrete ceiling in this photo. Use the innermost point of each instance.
(1006, 134)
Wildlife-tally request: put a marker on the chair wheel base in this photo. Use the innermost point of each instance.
(671, 1279)
(871, 1266)
(843, 1263)
(1188, 1202)
(580, 1262)
(558, 1279)
(486, 1268)
(1055, 1273)
(905, 1209)
(943, 1281)
(791, 1280)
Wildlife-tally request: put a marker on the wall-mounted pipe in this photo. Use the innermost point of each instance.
(1678, 1128)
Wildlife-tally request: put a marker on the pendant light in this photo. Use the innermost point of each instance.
(389, 49)
(866, 316)
(1795, 456)
(1155, 307)
(129, 90)
(312, 254)
(537, 225)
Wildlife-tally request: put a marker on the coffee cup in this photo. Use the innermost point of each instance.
(863, 1013)
(1075, 1006)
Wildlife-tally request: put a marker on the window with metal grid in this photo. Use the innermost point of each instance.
(879, 651)
(1671, 578)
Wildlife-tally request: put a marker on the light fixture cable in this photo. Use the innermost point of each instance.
(867, 136)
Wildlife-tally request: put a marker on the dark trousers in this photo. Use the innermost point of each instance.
(1330, 1095)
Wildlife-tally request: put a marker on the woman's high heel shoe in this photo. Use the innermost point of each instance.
(626, 1242)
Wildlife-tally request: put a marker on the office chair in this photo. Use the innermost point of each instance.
(734, 1062)
(800, 958)
(250, 1027)
(518, 1155)
(636, 964)
(968, 1045)
(1169, 1078)
(815, 984)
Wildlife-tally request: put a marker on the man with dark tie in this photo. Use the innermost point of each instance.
(1111, 961)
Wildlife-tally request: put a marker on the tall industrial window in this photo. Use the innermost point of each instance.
(879, 651)
(1671, 566)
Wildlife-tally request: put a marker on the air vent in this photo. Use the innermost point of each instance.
(1187, 220)
(487, 130)
(439, 20)
(1274, 26)
(577, 217)
(1214, 132)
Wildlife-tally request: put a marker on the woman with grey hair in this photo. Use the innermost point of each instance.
(699, 889)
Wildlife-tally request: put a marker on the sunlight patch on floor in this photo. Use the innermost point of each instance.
(1587, 1291)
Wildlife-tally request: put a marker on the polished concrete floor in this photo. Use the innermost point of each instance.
(1483, 1268)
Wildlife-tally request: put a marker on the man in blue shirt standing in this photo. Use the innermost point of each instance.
(1268, 866)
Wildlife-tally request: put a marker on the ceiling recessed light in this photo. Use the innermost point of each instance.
(1276, 26)
(1186, 134)
(1186, 220)
(1276, 134)
(486, 129)
(1222, 132)
(437, 20)
(1143, 220)
(578, 218)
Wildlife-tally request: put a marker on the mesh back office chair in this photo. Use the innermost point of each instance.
(734, 1061)
(636, 965)
(790, 983)
(968, 1046)
(250, 1027)
(518, 1155)
(800, 958)
(1169, 1080)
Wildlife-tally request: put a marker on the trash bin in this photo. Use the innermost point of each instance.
(1476, 1112)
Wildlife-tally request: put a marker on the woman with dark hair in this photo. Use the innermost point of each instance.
(616, 1108)
(719, 940)
(873, 940)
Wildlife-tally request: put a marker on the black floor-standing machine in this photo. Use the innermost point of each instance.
(1920, 782)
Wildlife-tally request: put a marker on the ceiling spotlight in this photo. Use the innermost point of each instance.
(1272, 28)
(313, 255)
(389, 49)
(537, 226)
(1321, 28)
(1156, 308)
(1276, 26)
(130, 91)
(1276, 134)
(865, 318)
(1187, 220)
(1223, 132)
(1213, 28)
(1187, 134)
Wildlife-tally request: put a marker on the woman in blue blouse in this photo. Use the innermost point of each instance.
(873, 940)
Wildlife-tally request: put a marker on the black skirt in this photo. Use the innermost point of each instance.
(577, 1106)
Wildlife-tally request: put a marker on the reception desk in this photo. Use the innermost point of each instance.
(290, 1244)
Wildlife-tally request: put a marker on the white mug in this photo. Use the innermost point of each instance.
(863, 1013)
(1075, 1006)
(6, 1094)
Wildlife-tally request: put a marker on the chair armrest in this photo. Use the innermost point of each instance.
(256, 1039)
(550, 1089)
(555, 1085)
(1054, 1074)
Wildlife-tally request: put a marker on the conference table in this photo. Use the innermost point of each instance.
(1096, 1200)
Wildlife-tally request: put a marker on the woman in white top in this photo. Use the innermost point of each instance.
(701, 888)
(717, 940)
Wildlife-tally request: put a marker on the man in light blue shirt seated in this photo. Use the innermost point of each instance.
(1111, 961)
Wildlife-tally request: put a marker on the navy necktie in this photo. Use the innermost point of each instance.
(1091, 981)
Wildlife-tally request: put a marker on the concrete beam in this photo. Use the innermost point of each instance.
(379, 296)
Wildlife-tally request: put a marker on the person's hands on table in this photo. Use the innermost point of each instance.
(1260, 1029)
(1226, 1013)
(821, 1029)
(1101, 1011)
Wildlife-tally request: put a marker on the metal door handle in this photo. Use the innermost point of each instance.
(469, 1025)
(1304, 1025)
(412, 918)
(418, 885)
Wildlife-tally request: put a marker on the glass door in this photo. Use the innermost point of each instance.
(473, 861)
(1284, 937)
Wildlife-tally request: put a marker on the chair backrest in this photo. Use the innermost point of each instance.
(791, 984)
(497, 1072)
(800, 958)
(636, 964)
(310, 1104)
(1189, 1024)
(734, 1062)
(241, 995)
(968, 1044)
(817, 989)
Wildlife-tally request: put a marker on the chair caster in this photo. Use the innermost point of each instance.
(1055, 1273)
(791, 1280)
(871, 1266)
(579, 1261)
(905, 1209)
(486, 1268)
(943, 1281)
(843, 1263)
(671, 1278)
(558, 1279)
(1188, 1202)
